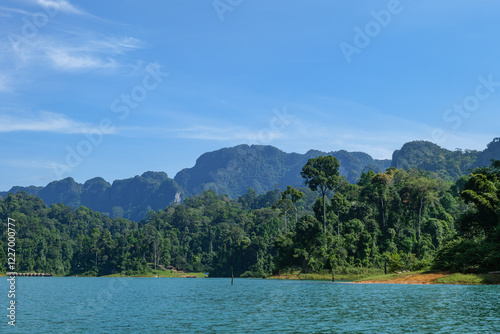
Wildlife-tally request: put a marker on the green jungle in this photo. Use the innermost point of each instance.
(401, 219)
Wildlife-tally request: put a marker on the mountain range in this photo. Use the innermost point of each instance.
(233, 170)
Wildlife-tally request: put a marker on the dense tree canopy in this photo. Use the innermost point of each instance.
(407, 217)
(477, 247)
(321, 173)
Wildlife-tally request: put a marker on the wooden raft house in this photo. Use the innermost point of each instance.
(29, 274)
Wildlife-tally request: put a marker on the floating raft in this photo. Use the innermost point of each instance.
(29, 274)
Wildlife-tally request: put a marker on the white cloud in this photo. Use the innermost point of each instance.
(76, 52)
(62, 59)
(232, 134)
(14, 10)
(4, 84)
(111, 45)
(29, 163)
(61, 6)
(62, 49)
(45, 122)
(228, 134)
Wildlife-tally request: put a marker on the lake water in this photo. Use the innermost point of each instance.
(163, 305)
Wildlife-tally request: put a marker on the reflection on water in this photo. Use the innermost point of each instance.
(160, 305)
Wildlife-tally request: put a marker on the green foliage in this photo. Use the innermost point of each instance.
(440, 162)
(232, 171)
(477, 249)
(406, 261)
(459, 278)
(130, 198)
(403, 216)
(322, 173)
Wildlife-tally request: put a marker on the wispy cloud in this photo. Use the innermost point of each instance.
(63, 49)
(227, 134)
(74, 52)
(29, 163)
(4, 84)
(61, 6)
(67, 60)
(45, 121)
(203, 132)
(14, 10)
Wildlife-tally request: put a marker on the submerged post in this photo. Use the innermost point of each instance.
(232, 276)
(333, 275)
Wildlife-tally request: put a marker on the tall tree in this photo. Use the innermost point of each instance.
(321, 173)
(341, 205)
(482, 193)
(285, 205)
(295, 195)
(381, 183)
(425, 191)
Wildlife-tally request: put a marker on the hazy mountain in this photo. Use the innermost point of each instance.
(492, 151)
(443, 163)
(233, 170)
(130, 198)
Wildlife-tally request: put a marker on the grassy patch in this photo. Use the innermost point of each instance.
(298, 275)
(458, 278)
(340, 275)
(161, 273)
(386, 277)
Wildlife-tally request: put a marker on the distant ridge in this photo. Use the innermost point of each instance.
(443, 163)
(233, 170)
(130, 198)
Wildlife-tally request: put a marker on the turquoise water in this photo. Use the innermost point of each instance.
(163, 305)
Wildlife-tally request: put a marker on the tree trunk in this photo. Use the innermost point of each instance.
(324, 213)
(338, 229)
(95, 246)
(420, 215)
(286, 230)
(382, 209)
(413, 217)
(338, 221)
(155, 247)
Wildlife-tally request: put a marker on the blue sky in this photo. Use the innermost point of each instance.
(116, 88)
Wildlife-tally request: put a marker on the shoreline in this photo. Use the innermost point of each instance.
(414, 278)
(162, 274)
(418, 277)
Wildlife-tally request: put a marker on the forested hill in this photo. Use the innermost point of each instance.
(230, 171)
(405, 219)
(233, 170)
(445, 164)
(130, 198)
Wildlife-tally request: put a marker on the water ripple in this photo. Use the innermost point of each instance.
(161, 305)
